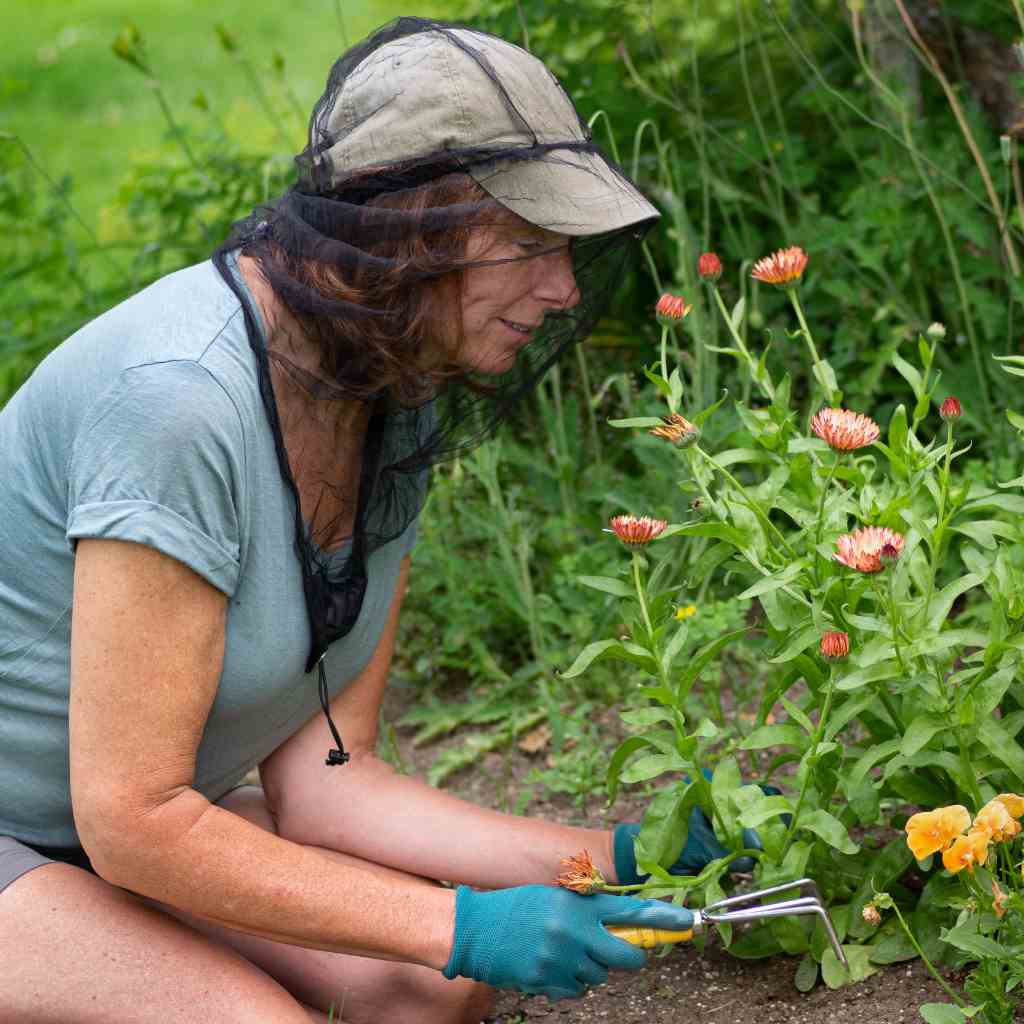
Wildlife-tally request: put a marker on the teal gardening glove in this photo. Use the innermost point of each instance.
(549, 941)
(702, 847)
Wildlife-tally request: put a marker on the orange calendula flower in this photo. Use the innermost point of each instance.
(843, 430)
(835, 644)
(580, 875)
(709, 267)
(999, 900)
(783, 268)
(995, 820)
(670, 308)
(1013, 803)
(869, 548)
(966, 852)
(930, 831)
(681, 432)
(637, 530)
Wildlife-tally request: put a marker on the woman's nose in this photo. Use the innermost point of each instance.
(556, 282)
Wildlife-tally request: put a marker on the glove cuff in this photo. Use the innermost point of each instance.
(459, 961)
(623, 839)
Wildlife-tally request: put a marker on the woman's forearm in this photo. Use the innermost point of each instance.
(217, 866)
(370, 811)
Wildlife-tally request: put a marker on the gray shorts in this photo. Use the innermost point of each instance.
(16, 859)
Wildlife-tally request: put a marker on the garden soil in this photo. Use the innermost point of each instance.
(685, 985)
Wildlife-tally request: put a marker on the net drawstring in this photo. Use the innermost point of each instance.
(338, 755)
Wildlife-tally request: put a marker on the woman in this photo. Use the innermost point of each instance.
(211, 492)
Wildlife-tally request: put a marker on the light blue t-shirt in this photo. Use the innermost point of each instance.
(147, 425)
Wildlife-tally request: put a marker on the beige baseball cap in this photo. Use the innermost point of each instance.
(430, 91)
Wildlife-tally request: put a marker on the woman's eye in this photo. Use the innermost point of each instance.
(530, 245)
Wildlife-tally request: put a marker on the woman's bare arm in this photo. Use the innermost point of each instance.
(369, 810)
(146, 655)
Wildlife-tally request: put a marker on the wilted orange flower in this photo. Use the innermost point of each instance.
(996, 821)
(999, 899)
(681, 432)
(966, 852)
(1013, 803)
(783, 268)
(929, 831)
(637, 530)
(709, 267)
(835, 644)
(843, 430)
(868, 548)
(580, 875)
(951, 409)
(671, 308)
(871, 915)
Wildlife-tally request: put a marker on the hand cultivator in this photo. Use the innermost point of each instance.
(746, 907)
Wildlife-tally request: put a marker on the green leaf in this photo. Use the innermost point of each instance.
(871, 757)
(798, 643)
(608, 585)
(798, 715)
(642, 718)
(637, 421)
(675, 645)
(602, 649)
(835, 975)
(775, 736)
(871, 674)
(764, 810)
(966, 937)
(719, 531)
(664, 826)
(702, 657)
(910, 374)
(938, 610)
(942, 1013)
(626, 749)
(898, 431)
(920, 731)
(1015, 417)
(806, 974)
(755, 943)
(651, 766)
(828, 828)
(736, 316)
(1002, 745)
(768, 583)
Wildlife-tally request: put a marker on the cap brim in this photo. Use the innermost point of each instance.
(570, 191)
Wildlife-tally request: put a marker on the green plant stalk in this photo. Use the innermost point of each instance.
(765, 385)
(894, 622)
(968, 769)
(819, 372)
(754, 507)
(664, 360)
(176, 129)
(805, 785)
(940, 522)
(643, 600)
(821, 513)
(921, 953)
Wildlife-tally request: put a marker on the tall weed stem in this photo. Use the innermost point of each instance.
(921, 953)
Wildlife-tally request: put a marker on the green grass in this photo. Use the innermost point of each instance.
(86, 114)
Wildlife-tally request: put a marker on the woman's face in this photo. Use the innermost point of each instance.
(503, 305)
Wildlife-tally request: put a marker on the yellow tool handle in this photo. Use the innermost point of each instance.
(649, 938)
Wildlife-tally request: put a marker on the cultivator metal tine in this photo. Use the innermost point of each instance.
(747, 907)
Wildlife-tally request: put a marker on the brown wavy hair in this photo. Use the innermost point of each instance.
(412, 283)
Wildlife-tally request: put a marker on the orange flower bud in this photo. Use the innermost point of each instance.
(681, 432)
(951, 409)
(670, 308)
(835, 645)
(709, 267)
(580, 875)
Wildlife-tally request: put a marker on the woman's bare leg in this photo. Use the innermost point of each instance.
(75, 948)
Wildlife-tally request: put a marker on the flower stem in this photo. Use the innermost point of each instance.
(819, 371)
(967, 768)
(751, 504)
(640, 596)
(766, 385)
(821, 512)
(664, 361)
(813, 750)
(895, 624)
(940, 523)
(921, 953)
